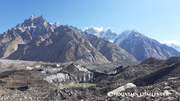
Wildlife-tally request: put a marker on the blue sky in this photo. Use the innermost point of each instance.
(157, 19)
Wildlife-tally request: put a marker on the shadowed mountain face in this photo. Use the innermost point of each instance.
(111, 51)
(38, 40)
(142, 47)
(65, 44)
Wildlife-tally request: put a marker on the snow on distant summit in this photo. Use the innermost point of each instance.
(127, 33)
(105, 34)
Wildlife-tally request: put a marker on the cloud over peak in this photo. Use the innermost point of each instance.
(96, 28)
(169, 42)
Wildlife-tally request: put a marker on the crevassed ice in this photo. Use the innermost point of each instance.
(81, 68)
(59, 76)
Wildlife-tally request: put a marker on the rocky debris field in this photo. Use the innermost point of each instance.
(150, 80)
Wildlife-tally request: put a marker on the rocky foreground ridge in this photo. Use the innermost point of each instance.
(42, 81)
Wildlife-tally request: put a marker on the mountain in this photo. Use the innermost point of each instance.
(38, 40)
(142, 47)
(63, 45)
(111, 51)
(23, 33)
(175, 46)
(109, 34)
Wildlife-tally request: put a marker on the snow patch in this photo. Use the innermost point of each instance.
(34, 28)
(122, 36)
(111, 41)
(33, 17)
(109, 29)
(29, 68)
(81, 68)
(57, 24)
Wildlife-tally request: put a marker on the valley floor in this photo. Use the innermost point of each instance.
(149, 80)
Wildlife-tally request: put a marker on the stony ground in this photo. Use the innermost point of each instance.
(158, 80)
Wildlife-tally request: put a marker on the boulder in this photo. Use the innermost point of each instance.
(129, 87)
(167, 88)
(166, 92)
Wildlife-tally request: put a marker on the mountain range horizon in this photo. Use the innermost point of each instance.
(87, 50)
(171, 43)
(36, 31)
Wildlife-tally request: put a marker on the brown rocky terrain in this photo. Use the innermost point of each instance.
(66, 44)
(38, 40)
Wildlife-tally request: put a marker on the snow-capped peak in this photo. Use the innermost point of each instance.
(33, 17)
(122, 36)
(109, 30)
(57, 24)
(111, 35)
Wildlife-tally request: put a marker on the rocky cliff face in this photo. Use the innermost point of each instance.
(24, 33)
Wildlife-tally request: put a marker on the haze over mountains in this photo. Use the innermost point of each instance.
(38, 40)
(137, 44)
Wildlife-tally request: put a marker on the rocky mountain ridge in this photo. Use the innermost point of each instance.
(142, 47)
(135, 43)
(38, 40)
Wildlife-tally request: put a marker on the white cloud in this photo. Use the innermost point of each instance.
(96, 28)
(119, 28)
(169, 42)
(99, 29)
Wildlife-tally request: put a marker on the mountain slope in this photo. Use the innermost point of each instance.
(142, 47)
(175, 46)
(23, 33)
(111, 51)
(38, 40)
(63, 45)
